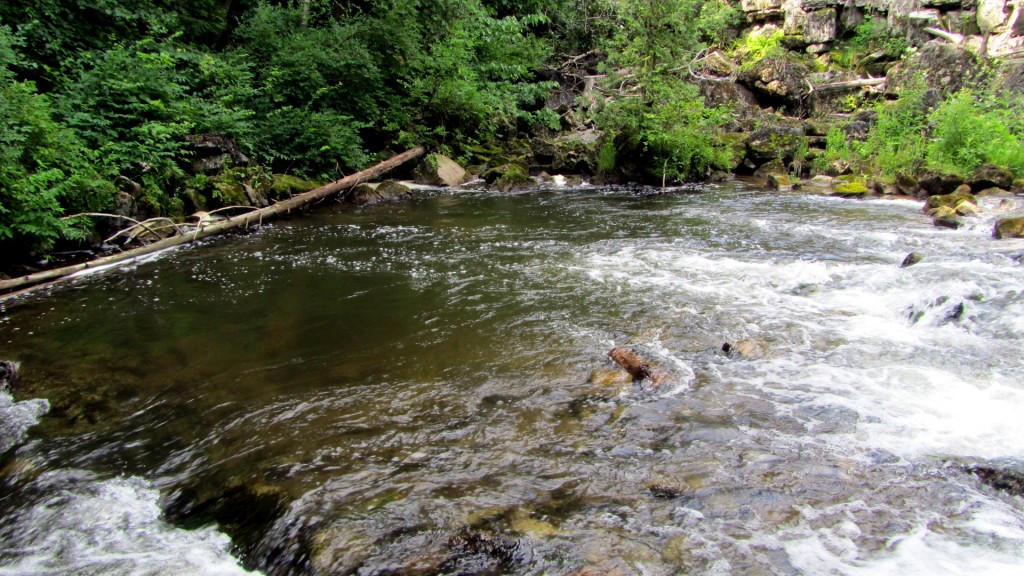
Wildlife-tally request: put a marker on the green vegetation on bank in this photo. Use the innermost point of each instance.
(955, 135)
(104, 99)
(107, 106)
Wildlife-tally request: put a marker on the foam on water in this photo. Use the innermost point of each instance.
(84, 526)
(17, 417)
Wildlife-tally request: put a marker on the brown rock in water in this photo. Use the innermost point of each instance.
(749, 349)
(639, 367)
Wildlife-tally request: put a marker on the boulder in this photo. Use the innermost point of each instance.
(778, 81)
(992, 14)
(1009, 228)
(850, 186)
(907, 184)
(938, 184)
(778, 139)
(911, 259)
(780, 182)
(509, 177)
(438, 170)
(945, 217)
(820, 26)
(372, 193)
(990, 176)
(950, 201)
(286, 186)
(609, 382)
(940, 65)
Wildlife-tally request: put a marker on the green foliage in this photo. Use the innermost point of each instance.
(43, 166)
(875, 34)
(968, 130)
(897, 142)
(716, 19)
(756, 46)
(475, 80)
(674, 136)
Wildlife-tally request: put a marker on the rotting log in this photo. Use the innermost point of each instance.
(205, 230)
(639, 367)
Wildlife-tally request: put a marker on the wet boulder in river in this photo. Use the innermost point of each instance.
(911, 259)
(1009, 228)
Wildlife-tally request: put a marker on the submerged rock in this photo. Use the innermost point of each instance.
(749, 349)
(1004, 479)
(911, 259)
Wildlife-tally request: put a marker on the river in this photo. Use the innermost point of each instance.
(406, 389)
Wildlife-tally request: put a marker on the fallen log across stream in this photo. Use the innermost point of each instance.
(23, 284)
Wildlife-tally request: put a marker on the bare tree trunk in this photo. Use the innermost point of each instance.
(254, 217)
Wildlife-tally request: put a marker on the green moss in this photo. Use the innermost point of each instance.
(850, 186)
(950, 200)
(285, 185)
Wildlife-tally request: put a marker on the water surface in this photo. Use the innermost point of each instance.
(403, 388)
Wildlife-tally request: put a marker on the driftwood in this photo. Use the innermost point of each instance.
(206, 229)
(848, 85)
(639, 367)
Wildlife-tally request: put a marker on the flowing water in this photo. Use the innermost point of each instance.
(405, 389)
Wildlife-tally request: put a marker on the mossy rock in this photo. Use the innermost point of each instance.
(780, 182)
(736, 144)
(508, 177)
(951, 201)
(850, 187)
(775, 141)
(386, 191)
(286, 185)
(1009, 228)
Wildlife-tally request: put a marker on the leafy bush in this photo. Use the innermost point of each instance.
(43, 166)
(756, 46)
(968, 131)
(897, 143)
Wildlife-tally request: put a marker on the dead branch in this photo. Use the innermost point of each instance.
(849, 85)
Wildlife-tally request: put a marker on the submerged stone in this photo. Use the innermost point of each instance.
(911, 259)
